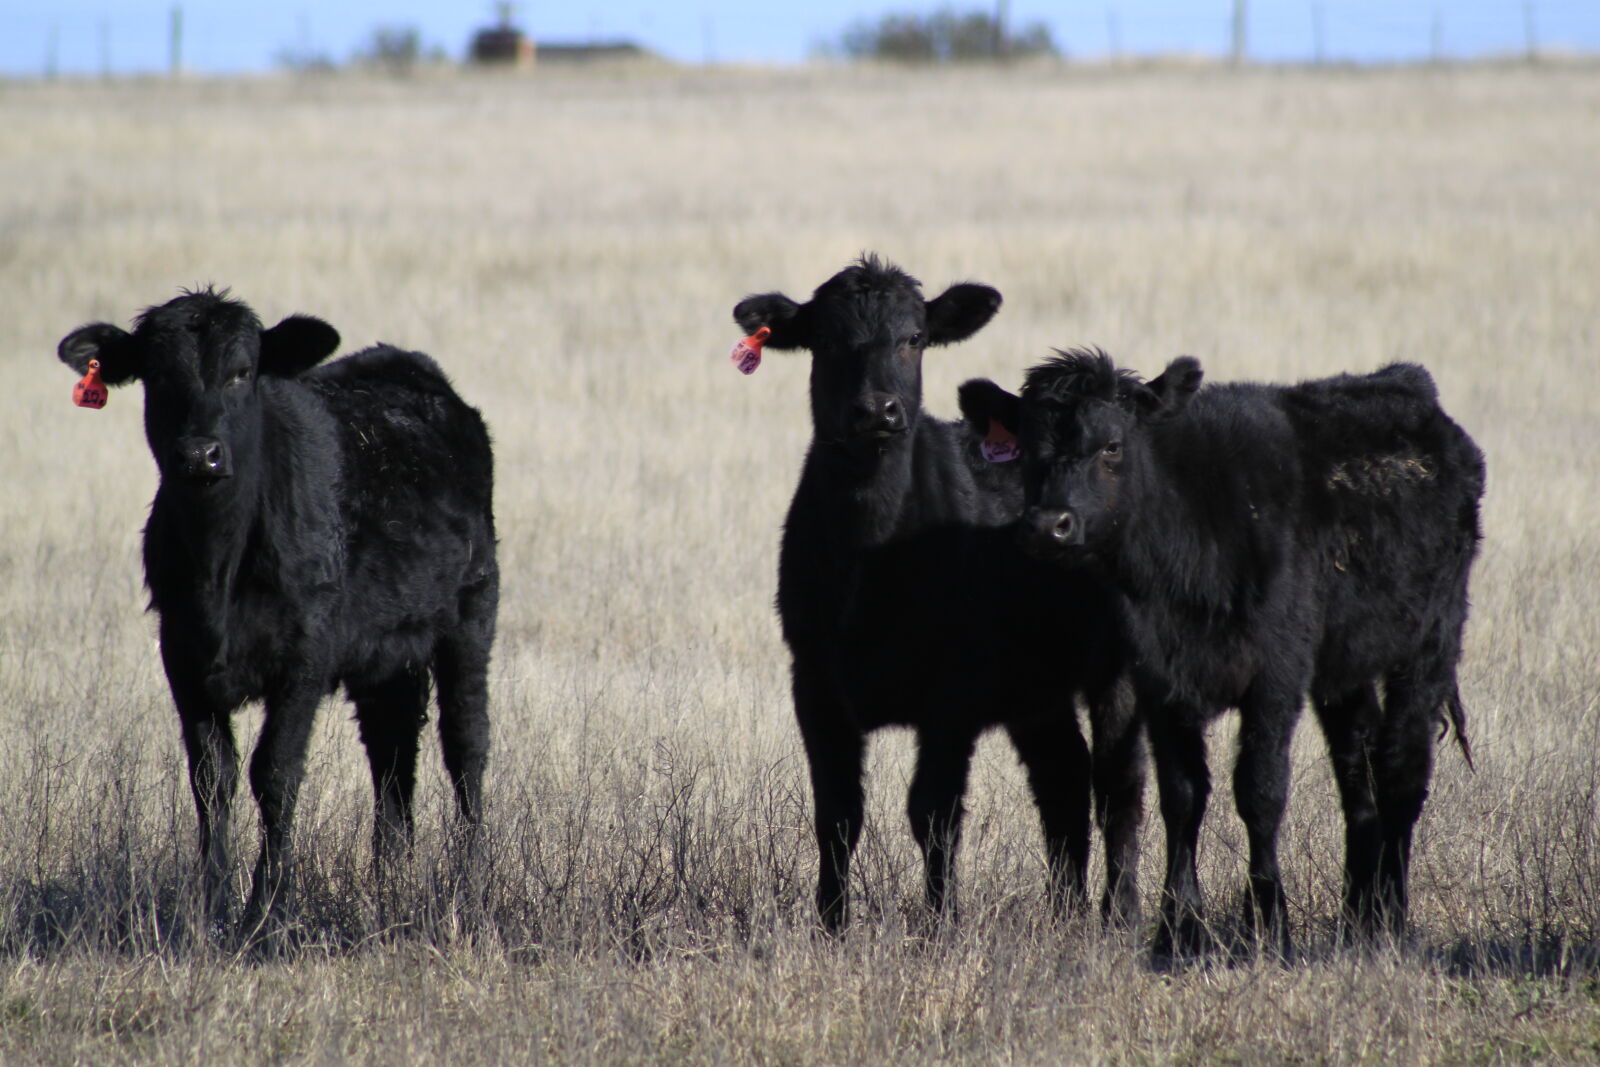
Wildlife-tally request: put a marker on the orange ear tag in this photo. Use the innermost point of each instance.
(90, 392)
(1001, 444)
(746, 355)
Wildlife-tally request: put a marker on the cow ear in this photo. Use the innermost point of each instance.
(1166, 396)
(983, 402)
(789, 322)
(993, 416)
(111, 345)
(961, 311)
(295, 345)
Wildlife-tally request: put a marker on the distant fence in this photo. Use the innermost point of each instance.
(1313, 31)
(43, 37)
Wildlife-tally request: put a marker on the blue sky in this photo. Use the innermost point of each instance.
(128, 36)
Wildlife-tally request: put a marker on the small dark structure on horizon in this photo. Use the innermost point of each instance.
(502, 43)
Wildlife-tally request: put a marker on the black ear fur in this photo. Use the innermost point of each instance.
(111, 345)
(961, 311)
(789, 322)
(982, 400)
(295, 345)
(1165, 396)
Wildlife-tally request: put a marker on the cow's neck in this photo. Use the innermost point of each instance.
(217, 528)
(876, 490)
(1171, 554)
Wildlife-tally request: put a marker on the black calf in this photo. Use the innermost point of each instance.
(1269, 542)
(313, 526)
(905, 600)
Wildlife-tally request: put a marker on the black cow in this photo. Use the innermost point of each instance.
(905, 601)
(1269, 542)
(314, 526)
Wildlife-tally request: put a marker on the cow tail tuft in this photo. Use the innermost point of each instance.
(1457, 722)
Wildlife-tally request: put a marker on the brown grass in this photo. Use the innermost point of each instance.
(569, 247)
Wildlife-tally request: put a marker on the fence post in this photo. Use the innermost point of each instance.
(177, 41)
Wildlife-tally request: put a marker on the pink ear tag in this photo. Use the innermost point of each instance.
(1001, 444)
(90, 392)
(746, 355)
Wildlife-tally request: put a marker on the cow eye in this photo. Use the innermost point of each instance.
(915, 341)
(1112, 449)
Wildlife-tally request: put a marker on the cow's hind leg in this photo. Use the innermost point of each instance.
(461, 669)
(936, 810)
(1057, 760)
(390, 713)
(1403, 758)
(1349, 722)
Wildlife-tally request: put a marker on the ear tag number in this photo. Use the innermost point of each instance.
(1000, 446)
(90, 392)
(746, 355)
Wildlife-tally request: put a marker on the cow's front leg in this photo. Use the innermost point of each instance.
(1178, 747)
(1119, 773)
(834, 752)
(935, 808)
(276, 770)
(1261, 792)
(1057, 760)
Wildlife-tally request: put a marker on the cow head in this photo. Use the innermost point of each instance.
(1080, 422)
(201, 358)
(866, 329)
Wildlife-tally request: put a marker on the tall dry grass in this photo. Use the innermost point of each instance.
(569, 248)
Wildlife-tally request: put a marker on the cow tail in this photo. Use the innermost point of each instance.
(1457, 722)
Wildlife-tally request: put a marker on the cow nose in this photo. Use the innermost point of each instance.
(203, 457)
(880, 413)
(1054, 527)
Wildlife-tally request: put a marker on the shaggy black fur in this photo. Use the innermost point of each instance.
(314, 526)
(1270, 542)
(905, 600)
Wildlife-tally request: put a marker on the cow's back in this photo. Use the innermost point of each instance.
(416, 494)
(406, 432)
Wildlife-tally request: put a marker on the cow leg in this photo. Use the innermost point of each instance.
(1261, 792)
(935, 808)
(276, 770)
(390, 714)
(1348, 722)
(213, 778)
(1057, 760)
(1119, 757)
(1178, 747)
(462, 674)
(461, 669)
(1404, 762)
(834, 751)
(213, 775)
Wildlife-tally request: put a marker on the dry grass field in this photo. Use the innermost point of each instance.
(569, 247)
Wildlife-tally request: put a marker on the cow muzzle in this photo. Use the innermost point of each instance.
(1049, 530)
(203, 459)
(880, 416)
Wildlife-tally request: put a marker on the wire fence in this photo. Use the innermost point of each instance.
(47, 38)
